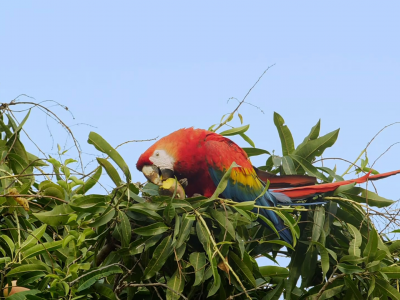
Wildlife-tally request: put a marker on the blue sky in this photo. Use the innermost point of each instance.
(141, 69)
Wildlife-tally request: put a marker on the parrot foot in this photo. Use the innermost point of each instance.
(197, 195)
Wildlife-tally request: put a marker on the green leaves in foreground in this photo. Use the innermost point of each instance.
(119, 242)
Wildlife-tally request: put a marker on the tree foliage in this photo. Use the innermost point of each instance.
(61, 241)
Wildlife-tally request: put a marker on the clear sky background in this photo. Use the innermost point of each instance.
(141, 69)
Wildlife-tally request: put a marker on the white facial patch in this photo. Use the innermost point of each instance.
(162, 160)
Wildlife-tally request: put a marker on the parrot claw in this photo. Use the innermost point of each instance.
(184, 182)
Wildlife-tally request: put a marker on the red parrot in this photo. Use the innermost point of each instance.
(203, 157)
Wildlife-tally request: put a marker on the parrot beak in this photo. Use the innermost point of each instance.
(152, 174)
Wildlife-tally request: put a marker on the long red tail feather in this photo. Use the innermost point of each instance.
(277, 182)
(308, 191)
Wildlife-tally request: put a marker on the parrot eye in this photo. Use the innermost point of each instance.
(157, 154)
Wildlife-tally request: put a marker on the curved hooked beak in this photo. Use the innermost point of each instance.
(152, 173)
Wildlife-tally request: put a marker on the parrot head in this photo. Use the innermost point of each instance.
(173, 155)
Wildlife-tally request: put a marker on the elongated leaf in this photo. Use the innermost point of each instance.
(58, 216)
(243, 268)
(28, 268)
(111, 171)
(369, 197)
(309, 168)
(184, 231)
(90, 203)
(235, 131)
(391, 272)
(93, 179)
(143, 209)
(102, 145)
(255, 151)
(106, 217)
(153, 229)
(314, 133)
(386, 289)
(354, 290)
(247, 139)
(41, 248)
(198, 261)
(124, 227)
(349, 269)
(92, 277)
(279, 242)
(9, 243)
(176, 283)
(143, 243)
(319, 220)
(284, 134)
(288, 165)
(160, 255)
(273, 271)
(316, 147)
(224, 223)
(372, 246)
(355, 244)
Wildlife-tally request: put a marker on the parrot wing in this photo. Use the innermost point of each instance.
(243, 184)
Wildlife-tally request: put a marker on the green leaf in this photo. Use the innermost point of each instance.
(319, 220)
(143, 209)
(276, 292)
(324, 259)
(124, 227)
(224, 182)
(353, 259)
(176, 283)
(386, 289)
(28, 268)
(247, 139)
(224, 223)
(160, 255)
(371, 198)
(184, 231)
(371, 286)
(314, 133)
(198, 261)
(91, 278)
(111, 171)
(354, 290)
(41, 248)
(9, 243)
(355, 244)
(90, 203)
(255, 151)
(316, 147)
(391, 272)
(273, 271)
(235, 131)
(284, 134)
(288, 165)
(243, 268)
(58, 216)
(93, 179)
(309, 168)
(349, 269)
(106, 217)
(279, 242)
(153, 229)
(143, 243)
(102, 145)
(372, 246)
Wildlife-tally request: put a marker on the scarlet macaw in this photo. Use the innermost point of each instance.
(202, 157)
